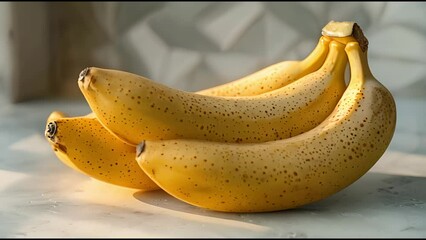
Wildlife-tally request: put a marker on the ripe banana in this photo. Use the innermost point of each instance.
(274, 76)
(85, 145)
(134, 108)
(282, 174)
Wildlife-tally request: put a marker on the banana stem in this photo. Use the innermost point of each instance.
(345, 32)
(312, 60)
(358, 61)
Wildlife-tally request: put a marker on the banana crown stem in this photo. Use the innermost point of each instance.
(338, 29)
(344, 31)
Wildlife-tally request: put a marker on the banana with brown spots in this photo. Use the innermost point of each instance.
(134, 108)
(274, 76)
(83, 144)
(282, 174)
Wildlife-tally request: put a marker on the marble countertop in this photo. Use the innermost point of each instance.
(41, 197)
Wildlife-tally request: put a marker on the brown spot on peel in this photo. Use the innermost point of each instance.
(61, 147)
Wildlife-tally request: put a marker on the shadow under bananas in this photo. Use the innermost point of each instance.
(373, 196)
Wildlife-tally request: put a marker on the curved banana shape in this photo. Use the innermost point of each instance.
(85, 145)
(281, 174)
(134, 108)
(55, 115)
(274, 76)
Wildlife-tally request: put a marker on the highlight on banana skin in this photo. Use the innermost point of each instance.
(284, 136)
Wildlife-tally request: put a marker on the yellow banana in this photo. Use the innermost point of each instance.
(274, 76)
(282, 174)
(85, 145)
(134, 108)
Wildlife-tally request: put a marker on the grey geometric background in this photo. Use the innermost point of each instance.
(197, 45)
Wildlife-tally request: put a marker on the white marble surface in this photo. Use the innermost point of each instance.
(41, 197)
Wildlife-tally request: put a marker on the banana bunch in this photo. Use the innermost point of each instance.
(285, 136)
(83, 144)
(282, 174)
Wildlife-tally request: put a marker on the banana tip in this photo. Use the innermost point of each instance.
(85, 78)
(140, 148)
(83, 74)
(51, 130)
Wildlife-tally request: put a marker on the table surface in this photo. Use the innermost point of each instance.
(41, 197)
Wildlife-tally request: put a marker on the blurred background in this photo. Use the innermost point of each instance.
(195, 45)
